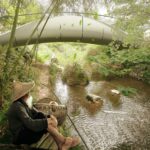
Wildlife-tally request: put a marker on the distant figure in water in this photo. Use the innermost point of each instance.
(28, 125)
(94, 99)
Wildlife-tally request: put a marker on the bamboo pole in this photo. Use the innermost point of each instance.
(5, 77)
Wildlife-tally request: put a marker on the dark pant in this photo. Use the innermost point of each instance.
(27, 136)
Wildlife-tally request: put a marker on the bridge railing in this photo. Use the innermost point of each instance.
(95, 16)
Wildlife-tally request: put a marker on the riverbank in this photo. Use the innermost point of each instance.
(109, 63)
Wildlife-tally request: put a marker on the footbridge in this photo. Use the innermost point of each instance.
(65, 29)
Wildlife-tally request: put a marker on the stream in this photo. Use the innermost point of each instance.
(124, 125)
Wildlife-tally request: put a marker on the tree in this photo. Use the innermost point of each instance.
(88, 7)
(7, 11)
(132, 16)
(76, 5)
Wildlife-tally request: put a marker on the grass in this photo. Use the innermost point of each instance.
(78, 147)
(127, 91)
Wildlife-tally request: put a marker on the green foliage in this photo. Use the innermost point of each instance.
(127, 91)
(53, 70)
(3, 117)
(132, 17)
(67, 53)
(4, 133)
(96, 16)
(115, 63)
(74, 5)
(78, 147)
(132, 57)
(146, 76)
(81, 22)
(93, 59)
(7, 11)
(22, 72)
(75, 56)
(44, 53)
(64, 130)
(74, 74)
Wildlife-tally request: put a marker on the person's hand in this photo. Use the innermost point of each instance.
(52, 121)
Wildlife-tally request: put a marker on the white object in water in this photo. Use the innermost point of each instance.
(115, 91)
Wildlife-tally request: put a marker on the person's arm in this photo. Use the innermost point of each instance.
(36, 112)
(34, 125)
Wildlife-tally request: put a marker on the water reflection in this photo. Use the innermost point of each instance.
(75, 98)
(61, 90)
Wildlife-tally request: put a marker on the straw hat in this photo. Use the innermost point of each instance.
(21, 88)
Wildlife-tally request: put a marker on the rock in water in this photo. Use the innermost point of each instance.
(114, 96)
(94, 98)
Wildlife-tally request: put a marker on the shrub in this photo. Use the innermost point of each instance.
(75, 75)
(120, 63)
(127, 91)
(22, 71)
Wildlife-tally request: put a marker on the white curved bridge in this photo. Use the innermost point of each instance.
(65, 29)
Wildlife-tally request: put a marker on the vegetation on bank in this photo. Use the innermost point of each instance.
(120, 63)
(102, 62)
(22, 72)
(127, 91)
(74, 74)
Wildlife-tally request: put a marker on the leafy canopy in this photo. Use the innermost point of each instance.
(133, 17)
(7, 12)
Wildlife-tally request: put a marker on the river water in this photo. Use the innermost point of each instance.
(124, 125)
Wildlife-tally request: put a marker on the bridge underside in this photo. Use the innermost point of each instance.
(65, 29)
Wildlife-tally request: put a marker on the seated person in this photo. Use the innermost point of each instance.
(27, 125)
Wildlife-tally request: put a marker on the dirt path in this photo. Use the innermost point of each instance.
(43, 89)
